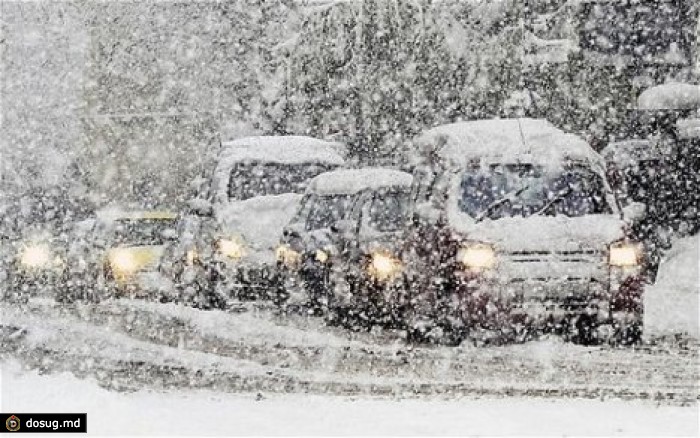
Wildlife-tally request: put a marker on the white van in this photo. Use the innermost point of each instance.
(517, 229)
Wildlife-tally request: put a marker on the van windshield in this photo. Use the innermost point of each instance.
(250, 179)
(525, 190)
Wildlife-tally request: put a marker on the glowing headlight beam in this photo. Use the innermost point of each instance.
(36, 256)
(123, 262)
(287, 256)
(625, 255)
(384, 266)
(231, 248)
(192, 256)
(477, 257)
(321, 256)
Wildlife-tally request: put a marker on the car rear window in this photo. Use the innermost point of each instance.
(250, 179)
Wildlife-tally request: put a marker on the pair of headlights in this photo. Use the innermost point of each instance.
(481, 256)
(292, 258)
(382, 266)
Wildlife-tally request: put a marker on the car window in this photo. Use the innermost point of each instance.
(388, 210)
(325, 211)
(250, 179)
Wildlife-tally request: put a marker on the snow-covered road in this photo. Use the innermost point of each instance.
(205, 412)
(130, 344)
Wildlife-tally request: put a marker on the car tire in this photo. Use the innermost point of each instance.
(627, 333)
(584, 330)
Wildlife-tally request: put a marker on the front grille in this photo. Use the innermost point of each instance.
(579, 266)
(572, 252)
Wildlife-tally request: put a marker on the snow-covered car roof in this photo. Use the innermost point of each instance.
(111, 215)
(670, 97)
(523, 140)
(628, 152)
(288, 149)
(351, 181)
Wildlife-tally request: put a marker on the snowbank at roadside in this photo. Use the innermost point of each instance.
(671, 305)
(209, 413)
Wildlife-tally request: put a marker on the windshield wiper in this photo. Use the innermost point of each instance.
(508, 198)
(560, 197)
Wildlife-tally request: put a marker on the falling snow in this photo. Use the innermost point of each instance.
(352, 216)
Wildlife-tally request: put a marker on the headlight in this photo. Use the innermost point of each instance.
(321, 256)
(36, 256)
(384, 266)
(192, 256)
(231, 248)
(625, 254)
(477, 256)
(123, 262)
(287, 256)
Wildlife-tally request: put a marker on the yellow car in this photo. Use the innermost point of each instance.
(134, 244)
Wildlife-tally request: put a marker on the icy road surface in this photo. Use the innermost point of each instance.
(204, 412)
(130, 345)
(256, 371)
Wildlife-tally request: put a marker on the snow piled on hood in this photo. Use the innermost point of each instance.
(281, 149)
(352, 181)
(670, 97)
(507, 141)
(672, 304)
(259, 220)
(541, 233)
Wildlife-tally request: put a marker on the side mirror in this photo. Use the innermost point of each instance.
(634, 211)
(427, 213)
(291, 232)
(343, 227)
(201, 207)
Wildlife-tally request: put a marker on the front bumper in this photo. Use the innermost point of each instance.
(248, 281)
(488, 301)
(33, 282)
(141, 284)
(379, 302)
(309, 283)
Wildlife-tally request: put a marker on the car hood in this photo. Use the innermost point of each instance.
(542, 233)
(259, 221)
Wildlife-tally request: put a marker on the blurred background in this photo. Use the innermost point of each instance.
(126, 102)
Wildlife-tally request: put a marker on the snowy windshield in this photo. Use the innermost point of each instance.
(324, 211)
(388, 211)
(251, 179)
(524, 190)
(144, 232)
